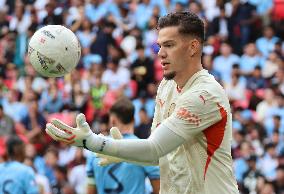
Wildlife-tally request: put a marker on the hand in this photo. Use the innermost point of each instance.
(59, 131)
(105, 159)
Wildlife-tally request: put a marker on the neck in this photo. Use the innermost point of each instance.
(184, 76)
(16, 159)
(126, 128)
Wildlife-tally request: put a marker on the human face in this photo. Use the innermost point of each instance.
(173, 51)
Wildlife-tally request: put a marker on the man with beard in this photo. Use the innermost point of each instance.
(191, 129)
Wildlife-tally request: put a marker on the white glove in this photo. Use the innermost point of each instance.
(105, 159)
(78, 136)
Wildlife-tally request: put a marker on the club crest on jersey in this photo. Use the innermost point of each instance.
(188, 116)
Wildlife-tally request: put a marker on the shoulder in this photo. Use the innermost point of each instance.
(165, 86)
(2, 166)
(27, 169)
(207, 91)
(23, 170)
(234, 56)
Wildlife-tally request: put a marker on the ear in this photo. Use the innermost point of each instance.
(194, 47)
(113, 119)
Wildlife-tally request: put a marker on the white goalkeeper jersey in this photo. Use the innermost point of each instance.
(200, 113)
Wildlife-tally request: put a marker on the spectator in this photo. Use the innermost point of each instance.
(143, 129)
(279, 182)
(142, 69)
(51, 99)
(256, 81)
(251, 175)
(31, 126)
(267, 103)
(250, 59)
(267, 188)
(271, 65)
(235, 89)
(207, 61)
(77, 176)
(20, 22)
(33, 159)
(86, 34)
(60, 173)
(116, 77)
(269, 162)
(266, 43)
(13, 107)
(243, 19)
(145, 101)
(52, 18)
(220, 26)
(240, 165)
(224, 62)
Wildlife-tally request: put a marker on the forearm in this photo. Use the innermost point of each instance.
(161, 142)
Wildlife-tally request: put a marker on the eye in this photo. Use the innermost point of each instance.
(168, 45)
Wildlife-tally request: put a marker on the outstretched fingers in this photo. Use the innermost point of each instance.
(62, 126)
(115, 133)
(82, 123)
(59, 135)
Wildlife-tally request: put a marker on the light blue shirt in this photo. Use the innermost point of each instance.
(85, 39)
(17, 178)
(268, 122)
(262, 6)
(143, 14)
(102, 10)
(224, 65)
(16, 110)
(96, 13)
(266, 46)
(122, 178)
(240, 167)
(247, 63)
(149, 106)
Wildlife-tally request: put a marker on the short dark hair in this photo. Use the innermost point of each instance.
(123, 110)
(12, 143)
(188, 22)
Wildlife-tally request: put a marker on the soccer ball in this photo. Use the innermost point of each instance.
(54, 51)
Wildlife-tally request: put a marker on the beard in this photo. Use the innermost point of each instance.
(170, 75)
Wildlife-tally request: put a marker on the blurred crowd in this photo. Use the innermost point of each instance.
(244, 50)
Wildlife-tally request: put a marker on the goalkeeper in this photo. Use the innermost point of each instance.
(191, 129)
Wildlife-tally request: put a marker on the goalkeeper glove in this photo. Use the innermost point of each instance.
(78, 136)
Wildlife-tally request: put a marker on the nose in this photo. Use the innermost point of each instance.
(162, 53)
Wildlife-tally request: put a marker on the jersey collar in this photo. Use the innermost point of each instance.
(191, 80)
